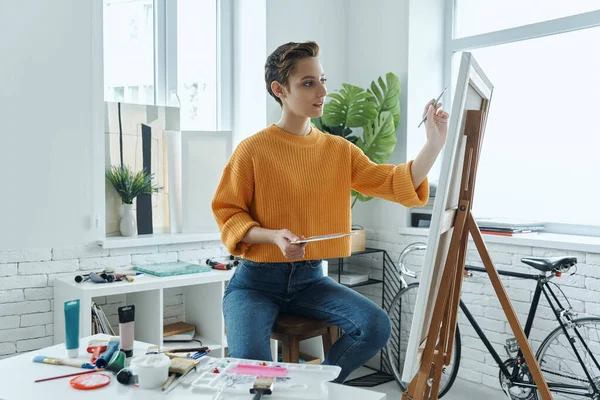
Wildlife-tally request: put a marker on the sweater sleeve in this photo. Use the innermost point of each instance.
(386, 181)
(232, 201)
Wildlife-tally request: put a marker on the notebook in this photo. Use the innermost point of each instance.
(172, 268)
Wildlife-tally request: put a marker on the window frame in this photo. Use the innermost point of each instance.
(165, 83)
(551, 27)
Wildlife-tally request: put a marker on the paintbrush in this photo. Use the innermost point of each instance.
(60, 361)
(68, 375)
(262, 385)
(179, 367)
(433, 105)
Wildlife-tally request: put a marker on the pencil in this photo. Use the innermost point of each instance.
(68, 375)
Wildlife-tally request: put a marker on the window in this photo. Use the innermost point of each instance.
(163, 53)
(474, 17)
(166, 52)
(539, 158)
(197, 64)
(129, 51)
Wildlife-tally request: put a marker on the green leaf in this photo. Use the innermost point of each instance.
(388, 97)
(339, 130)
(129, 185)
(360, 196)
(379, 138)
(317, 123)
(351, 107)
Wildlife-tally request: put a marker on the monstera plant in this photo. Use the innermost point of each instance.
(376, 110)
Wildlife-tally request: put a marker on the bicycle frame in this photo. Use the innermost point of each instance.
(560, 313)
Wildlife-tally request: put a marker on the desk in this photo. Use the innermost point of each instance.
(18, 373)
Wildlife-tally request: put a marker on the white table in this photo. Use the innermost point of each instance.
(18, 373)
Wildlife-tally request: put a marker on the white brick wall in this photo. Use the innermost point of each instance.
(26, 291)
(477, 364)
(26, 280)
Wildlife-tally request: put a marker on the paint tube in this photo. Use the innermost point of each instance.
(72, 328)
(126, 317)
(111, 347)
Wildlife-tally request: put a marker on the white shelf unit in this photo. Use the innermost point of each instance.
(202, 301)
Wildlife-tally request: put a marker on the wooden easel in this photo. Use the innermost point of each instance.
(439, 343)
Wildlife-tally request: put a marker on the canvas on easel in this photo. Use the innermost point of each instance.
(434, 322)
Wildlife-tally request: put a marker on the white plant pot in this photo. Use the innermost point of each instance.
(128, 224)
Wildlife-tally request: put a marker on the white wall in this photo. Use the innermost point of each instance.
(377, 44)
(51, 73)
(249, 94)
(404, 37)
(298, 21)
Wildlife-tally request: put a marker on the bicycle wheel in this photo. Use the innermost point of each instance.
(401, 314)
(560, 365)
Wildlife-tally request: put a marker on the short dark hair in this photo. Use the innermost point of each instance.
(281, 63)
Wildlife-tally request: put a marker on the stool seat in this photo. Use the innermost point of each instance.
(295, 325)
(290, 330)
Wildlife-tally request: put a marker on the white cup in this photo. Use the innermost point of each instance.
(152, 370)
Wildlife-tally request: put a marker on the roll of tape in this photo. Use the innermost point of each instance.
(152, 370)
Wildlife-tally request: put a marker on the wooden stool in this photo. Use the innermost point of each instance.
(290, 330)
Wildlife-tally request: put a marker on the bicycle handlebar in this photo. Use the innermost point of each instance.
(409, 249)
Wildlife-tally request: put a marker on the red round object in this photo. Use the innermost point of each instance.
(90, 381)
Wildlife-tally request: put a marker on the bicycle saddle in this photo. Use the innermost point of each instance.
(557, 264)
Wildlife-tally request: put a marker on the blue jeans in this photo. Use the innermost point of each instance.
(257, 292)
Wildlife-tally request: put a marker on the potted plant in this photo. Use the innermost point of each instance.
(128, 186)
(376, 111)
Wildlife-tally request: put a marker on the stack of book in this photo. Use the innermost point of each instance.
(100, 323)
(508, 227)
(179, 332)
(352, 278)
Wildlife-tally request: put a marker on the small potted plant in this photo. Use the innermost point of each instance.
(128, 186)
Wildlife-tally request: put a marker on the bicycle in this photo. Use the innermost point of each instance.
(569, 358)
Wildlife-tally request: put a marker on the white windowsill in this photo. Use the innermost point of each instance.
(117, 242)
(557, 241)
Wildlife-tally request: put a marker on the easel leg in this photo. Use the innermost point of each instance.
(440, 317)
(409, 389)
(440, 356)
(509, 311)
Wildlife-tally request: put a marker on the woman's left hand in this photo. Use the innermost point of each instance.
(436, 125)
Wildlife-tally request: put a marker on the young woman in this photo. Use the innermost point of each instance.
(291, 181)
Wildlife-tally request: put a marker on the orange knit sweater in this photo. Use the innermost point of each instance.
(277, 180)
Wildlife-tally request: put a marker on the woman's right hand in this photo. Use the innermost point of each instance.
(284, 238)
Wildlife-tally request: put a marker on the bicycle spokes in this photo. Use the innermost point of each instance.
(569, 360)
